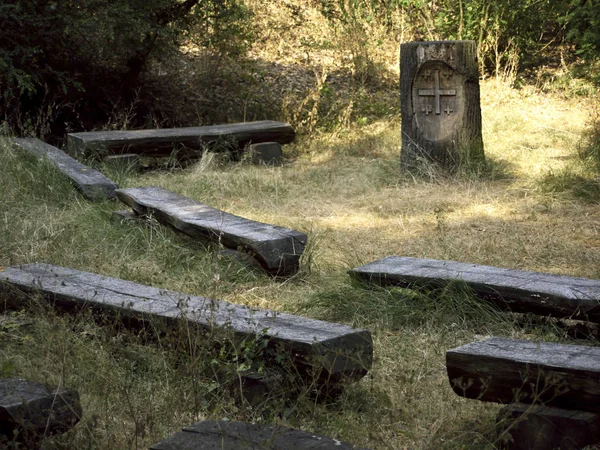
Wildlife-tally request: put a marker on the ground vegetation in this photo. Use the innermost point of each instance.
(331, 69)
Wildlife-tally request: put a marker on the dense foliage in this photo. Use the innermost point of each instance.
(76, 61)
(507, 32)
(72, 65)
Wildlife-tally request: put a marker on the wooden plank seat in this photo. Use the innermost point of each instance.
(217, 435)
(30, 410)
(510, 370)
(92, 184)
(333, 352)
(190, 140)
(277, 249)
(555, 386)
(515, 290)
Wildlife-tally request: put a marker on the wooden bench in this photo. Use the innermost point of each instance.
(553, 384)
(211, 434)
(515, 290)
(191, 140)
(277, 249)
(92, 184)
(30, 411)
(332, 352)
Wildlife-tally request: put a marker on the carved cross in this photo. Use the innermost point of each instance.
(437, 93)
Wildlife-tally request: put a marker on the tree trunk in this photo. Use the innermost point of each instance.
(441, 114)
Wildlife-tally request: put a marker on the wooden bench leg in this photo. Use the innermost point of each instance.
(529, 427)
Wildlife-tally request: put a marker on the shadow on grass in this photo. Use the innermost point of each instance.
(585, 188)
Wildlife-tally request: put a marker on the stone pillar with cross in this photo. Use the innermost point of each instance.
(441, 114)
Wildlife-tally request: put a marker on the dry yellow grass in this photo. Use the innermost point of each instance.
(346, 191)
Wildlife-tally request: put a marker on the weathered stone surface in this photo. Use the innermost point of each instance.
(90, 182)
(337, 351)
(162, 142)
(276, 248)
(29, 410)
(266, 153)
(218, 435)
(509, 371)
(516, 290)
(441, 113)
(529, 427)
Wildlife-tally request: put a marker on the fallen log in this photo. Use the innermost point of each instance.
(515, 290)
(190, 140)
(335, 352)
(277, 249)
(90, 182)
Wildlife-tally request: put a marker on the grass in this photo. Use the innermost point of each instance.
(345, 191)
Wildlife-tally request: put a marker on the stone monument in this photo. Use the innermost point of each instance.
(441, 114)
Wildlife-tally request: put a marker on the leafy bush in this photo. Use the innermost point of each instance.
(73, 63)
(583, 22)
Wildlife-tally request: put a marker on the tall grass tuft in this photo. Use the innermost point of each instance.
(394, 308)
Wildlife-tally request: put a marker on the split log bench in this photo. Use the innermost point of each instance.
(217, 435)
(190, 140)
(29, 411)
(277, 249)
(553, 390)
(513, 290)
(333, 353)
(92, 184)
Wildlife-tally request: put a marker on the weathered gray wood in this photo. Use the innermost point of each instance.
(439, 97)
(90, 182)
(509, 370)
(529, 427)
(162, 142)
(266, 153)
(277, 249)
(515, 290)
(30, 410)
(218, 435)
(341, 352)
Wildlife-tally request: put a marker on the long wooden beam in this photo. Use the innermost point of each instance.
(509, 370)
(515, 290)
(335, 351)
(276, 248)
(90, 182)
(163, 141)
